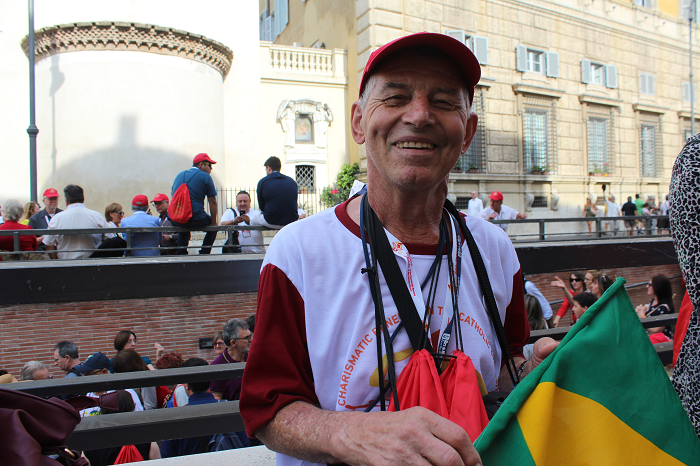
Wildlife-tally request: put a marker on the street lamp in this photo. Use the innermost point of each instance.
(32, 130)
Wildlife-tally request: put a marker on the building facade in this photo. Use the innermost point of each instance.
(574, 95)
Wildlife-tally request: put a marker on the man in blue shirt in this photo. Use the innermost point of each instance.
(139, 205)
(200, 185)
(198, 395)
(277, 197)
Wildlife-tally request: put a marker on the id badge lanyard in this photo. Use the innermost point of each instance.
(451, 289)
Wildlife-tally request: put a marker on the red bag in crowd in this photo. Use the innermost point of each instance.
(465, 406)
(128, 454)
(454, 395)
(180, 209)
(162, 393)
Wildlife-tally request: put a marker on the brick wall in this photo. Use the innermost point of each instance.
(30, 331)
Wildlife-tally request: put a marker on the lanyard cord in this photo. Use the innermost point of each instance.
(380, 319)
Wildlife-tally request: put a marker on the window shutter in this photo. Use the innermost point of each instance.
(638, 2)
(553, 64)
(284, 14)
(611, 76)
(585, 71)
(521, 58)
(480, 47)
(459, 35)
(643, 84)
(651, 84)
(274, 30)
(268, 28)
(686, 92)
(262, 25)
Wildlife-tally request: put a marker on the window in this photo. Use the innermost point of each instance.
(536, 61)
(687, 94)
(598, 74)
(601, 140)
(303, 129)
(478, 45)
(686, 10)
(646, 84)
(650, 145)
(272, 23)
(539, 134)
(644, 3)
(462, 203)
(306, 177)
(539, 201)
(474, 160)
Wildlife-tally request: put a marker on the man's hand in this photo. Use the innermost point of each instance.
(52, 255)
(492, 216)
(520, 216)
(415, 436)
(242, 218)
(542, 348)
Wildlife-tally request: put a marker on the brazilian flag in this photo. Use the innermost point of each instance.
(601, 398)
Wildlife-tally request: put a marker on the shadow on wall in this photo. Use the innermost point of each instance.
(57, 80)
(118, 173)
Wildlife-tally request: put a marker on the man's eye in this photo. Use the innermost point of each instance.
(395, 100)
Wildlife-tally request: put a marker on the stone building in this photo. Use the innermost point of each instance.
(128, 93)
(574, 94)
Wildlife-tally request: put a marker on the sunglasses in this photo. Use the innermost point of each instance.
(575, 280)
(249, 338)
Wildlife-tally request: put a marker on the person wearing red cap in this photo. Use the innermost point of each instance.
(41, 219)
(161, 203)
(140, 219)
(313, 368)
(498, 211)
(200, 184)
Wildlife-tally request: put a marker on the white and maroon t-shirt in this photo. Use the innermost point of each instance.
(315, 327)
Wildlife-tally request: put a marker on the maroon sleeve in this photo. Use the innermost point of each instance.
(516, 324)
(278, 371)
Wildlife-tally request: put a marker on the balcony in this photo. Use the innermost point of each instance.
(285, 63)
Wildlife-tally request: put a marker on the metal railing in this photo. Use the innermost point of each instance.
(599, 233)
(126, 233)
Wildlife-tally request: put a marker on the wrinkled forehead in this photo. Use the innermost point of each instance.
(420, 63)
(243, 197)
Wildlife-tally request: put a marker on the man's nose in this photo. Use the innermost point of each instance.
(419, 113)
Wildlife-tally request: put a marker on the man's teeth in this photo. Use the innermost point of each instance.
(414, 145)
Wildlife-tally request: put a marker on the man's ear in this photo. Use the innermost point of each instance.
(470, 132)
(358, 133)
(104, 371)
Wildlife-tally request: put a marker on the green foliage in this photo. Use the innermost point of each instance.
(346, 176)
(334, 195)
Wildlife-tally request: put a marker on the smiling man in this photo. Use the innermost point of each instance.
(313, 369)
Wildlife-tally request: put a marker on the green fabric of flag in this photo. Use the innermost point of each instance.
(601, 398)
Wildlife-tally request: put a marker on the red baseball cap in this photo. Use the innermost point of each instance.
(160, 197)
(496, 196)
(460, 54)
(140, 200)
(51, 193)
(201, 158)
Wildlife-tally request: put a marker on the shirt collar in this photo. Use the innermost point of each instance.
(76, 204)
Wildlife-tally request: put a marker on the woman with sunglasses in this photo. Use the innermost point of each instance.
(576, 281)
(661, 293)
(114, 213)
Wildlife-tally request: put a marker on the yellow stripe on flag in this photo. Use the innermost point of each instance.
(563, 428)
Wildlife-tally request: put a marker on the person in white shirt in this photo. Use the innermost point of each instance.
(75, 216)
(663, 222)
(613, 210)
(251, 240)
(475, 205)
(498, 211)
(531, 289)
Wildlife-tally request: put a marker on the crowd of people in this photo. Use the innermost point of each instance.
(230, 345)
(277, 198)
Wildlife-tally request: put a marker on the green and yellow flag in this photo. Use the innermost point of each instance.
(601, 398)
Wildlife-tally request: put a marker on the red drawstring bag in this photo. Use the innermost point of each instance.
(419, 385)
(465, 406)
(162, 395)
(454, 395)
(128, 454)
